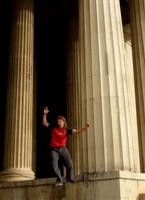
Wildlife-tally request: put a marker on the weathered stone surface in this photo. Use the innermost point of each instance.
(104, 186)
(98, 91)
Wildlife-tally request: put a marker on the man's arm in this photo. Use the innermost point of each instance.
(44, 119)
(80, 130)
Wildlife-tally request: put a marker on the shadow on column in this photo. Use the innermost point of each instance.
(5, 21)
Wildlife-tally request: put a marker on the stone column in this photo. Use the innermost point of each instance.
(19, 116)
(111, 142)
(73, 85)
(137, 10)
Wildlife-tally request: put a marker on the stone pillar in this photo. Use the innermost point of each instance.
(73, 83)
(111, 142)
(137, 10)
(19, 116)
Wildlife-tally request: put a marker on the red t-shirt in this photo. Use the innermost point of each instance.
(59, 136)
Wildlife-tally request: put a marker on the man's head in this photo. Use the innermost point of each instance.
(61, 122)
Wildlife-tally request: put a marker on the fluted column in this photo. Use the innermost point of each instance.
(111, 142)
(137, 10)
(73, 88)
(19, 116)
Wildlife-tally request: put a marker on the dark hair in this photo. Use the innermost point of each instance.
(63, 119)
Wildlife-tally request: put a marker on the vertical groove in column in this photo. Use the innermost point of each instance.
(83, 98)
(138, 42)
(18, 140)
(116, 92)
(96, 74)
(76, 78)
(89, 94)
(99, 115)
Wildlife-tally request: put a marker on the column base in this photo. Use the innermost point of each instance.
(11, 175)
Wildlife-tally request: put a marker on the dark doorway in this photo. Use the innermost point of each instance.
(5, 21)
(51, 21)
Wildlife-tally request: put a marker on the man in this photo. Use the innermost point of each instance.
(58, 146)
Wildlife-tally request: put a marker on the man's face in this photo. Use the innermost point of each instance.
(60, 123)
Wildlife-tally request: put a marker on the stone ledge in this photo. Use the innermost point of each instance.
(99, 176)
(39, 182)
(113, 175)
(118, 185)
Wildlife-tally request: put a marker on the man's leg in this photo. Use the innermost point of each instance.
(65, 156)
(54, 160)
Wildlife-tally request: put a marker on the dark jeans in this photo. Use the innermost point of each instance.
(63, 154)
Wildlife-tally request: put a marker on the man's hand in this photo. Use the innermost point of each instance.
(46, 110)
(44, 120)
(81, 129)
(87, 125)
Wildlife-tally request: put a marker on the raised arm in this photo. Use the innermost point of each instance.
(44, 119)
(80, 130)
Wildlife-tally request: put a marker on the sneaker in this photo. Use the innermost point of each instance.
(72, 180)
(58, 184)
